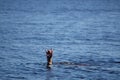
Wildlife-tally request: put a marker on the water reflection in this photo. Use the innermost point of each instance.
(49, 74)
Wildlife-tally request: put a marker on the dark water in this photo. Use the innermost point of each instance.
(84, 32)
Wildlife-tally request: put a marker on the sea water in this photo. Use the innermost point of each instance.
(82, 32)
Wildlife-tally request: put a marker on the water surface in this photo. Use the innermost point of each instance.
(80, 32)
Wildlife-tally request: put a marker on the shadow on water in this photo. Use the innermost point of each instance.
(49, 74)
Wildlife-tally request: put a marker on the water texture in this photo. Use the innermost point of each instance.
(84, 34)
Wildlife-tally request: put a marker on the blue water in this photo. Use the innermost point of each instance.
(83, 32)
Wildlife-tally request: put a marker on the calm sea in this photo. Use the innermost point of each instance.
(82, 32)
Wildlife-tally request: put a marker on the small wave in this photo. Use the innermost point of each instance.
(16, 77)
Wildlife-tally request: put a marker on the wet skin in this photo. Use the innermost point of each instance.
(49, 54)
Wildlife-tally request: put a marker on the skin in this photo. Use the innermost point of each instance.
(49, 54)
